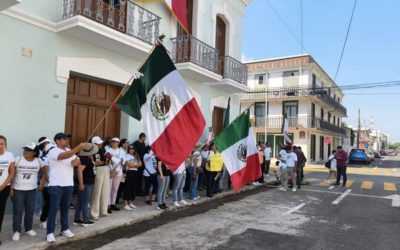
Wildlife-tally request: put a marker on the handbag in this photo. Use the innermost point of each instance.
(328, 164)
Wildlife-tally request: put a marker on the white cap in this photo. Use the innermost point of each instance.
(48, 147)
(44, 141)
(97, 140)
(30, 146)
(114, 139)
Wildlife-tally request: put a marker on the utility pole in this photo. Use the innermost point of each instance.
(359, 129)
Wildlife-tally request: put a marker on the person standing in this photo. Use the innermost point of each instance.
(140, 148)
(100, 193)
(267, 157)
(304, 162)
(61, 183)
(85, 174)
(117, 158)
(45, 192)
(299, 165)
(150, 175)
(179, 182)
(7, 172)
(42, 142)
(342, 158)
(123, 144)
(205, 152)
(214, 165)
(23, 191)
(133, 163)
(195, 165)
(291, 163)
(332, 165)
(164, 174)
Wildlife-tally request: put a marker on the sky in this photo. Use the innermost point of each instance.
(372, 52)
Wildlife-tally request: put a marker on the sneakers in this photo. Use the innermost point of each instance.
(77, 222)
(160, 207)
(15, 236)
(176, 204)
(87, 223)
(255, 183)
(109, 211)
(128, 208)
(294, 189)
(165, 206)
(183, 202)
(67, 233)
(132, 206)
(43, 225)
(31, 233)
(50, 238)
(282, 189)
(114, 208)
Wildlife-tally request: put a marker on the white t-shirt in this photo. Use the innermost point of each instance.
(5, 160)
(26, 173)
(117, 160)
(181, 169)
(196, 155)
(291, 159)
(130, 158)
(150, 164)
(61, 171)
(267, 153)
(205, 154)
(282, 154)
(333, 162)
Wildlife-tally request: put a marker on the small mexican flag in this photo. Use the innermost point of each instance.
(170, 115)
(239, 151)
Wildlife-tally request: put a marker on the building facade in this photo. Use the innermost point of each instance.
(65, 61)
(299, 88)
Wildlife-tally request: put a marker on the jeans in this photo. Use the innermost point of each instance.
(82, 204)
(3, 201)
(162, 189)
(23, 200)
(60, 197)
(202, 180)
(38, 202)
(46, 205)
(210, 182)
(193, 183)
(150, 181)
(177, 189)
(267, 163)
(341, 170)
(299, 171)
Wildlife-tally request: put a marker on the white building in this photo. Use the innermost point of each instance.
(298, 87)
(63, 62)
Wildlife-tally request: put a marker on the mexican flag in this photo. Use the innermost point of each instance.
(239, 151)
(170, 115)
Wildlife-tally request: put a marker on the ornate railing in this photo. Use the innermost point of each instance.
(321, 93)
(234, 69)
(297, 122)
(187, 48)
(122, 15)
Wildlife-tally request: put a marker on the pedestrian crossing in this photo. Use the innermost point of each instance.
(391, 172)
(362, 185)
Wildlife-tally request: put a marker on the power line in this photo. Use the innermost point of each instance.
(345, 40)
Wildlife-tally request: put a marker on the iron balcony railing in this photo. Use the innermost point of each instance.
(235, 70)
(274, 93)
(297, 122)
(122, 15)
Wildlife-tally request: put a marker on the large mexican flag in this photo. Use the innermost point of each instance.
(170, 115)
(239, 151)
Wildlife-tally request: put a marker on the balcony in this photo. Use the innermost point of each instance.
(121, 25)
(297, 122)
(294, 93)
(196, 59)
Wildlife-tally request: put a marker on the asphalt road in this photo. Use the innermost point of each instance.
(365, 215)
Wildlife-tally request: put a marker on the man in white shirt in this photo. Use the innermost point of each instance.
(291, 163)
(267, 157)
(61, 183)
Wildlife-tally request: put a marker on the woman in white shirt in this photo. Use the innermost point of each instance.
(24, 187)
(333, 163)
(7, 171)
(150, 175)
(117, 158)
(133, 162)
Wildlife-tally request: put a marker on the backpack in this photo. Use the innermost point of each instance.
(328, 164)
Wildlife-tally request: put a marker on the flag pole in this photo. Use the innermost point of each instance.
(157, 43)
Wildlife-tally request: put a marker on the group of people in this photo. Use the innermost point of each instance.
(99, 173)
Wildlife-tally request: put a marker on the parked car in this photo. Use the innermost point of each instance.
(370, 154)
(359, 155)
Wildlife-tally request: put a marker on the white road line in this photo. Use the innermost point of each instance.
(340, 198)
(331, 187)
(294, 209)
(352, 194)
(280, 207)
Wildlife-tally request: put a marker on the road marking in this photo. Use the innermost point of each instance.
(340, 198)
(294, 209)
(389, 186)
(349, 183)
(367, 185)
(331, 187)
(280, 207)
(395, 200)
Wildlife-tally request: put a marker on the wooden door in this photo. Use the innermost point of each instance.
(87, 102)
(218, 120)
(220, 37)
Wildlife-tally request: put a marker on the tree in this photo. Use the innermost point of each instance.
(395, 145)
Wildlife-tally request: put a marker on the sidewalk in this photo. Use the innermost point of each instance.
(117, 219)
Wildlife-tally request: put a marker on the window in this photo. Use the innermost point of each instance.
(261, 79)
(329, 117)
(290, 73)
(314, 81)
(259, 112)
(338, 121)
(322, 114)
(321, 148)
(290, 110)
(312, 153)
(291, 78)
(334, 120)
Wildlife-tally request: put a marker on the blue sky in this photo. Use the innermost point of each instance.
(372, 53)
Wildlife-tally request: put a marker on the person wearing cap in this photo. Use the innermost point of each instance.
(117, 159)
(61, 183)
(101, 188)
(45, 192)
(23, 189)
(86, 177)
(7, 171)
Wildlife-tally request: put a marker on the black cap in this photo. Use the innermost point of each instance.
(59, 136)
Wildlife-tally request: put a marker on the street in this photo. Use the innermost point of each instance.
(364, 215)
